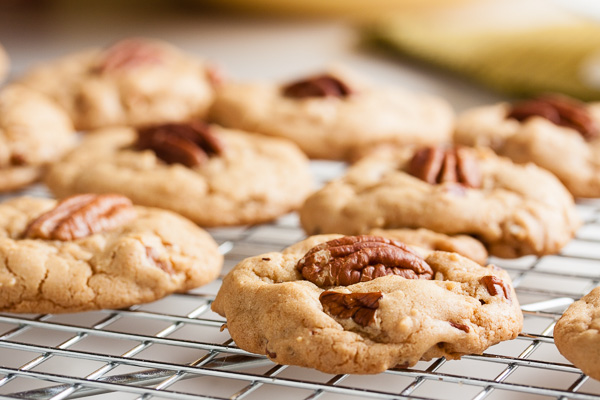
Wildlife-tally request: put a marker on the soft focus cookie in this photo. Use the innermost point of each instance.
(557, 133)
(576, 334)
(33, 133)
(513, 209)
(4, 64)
(133, 82)
(211, 175)
(97, 251)
(464, 245)
(335, 115)
(361, 305)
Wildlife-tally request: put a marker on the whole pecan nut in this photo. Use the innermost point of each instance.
(189, 143)
(317, 86)
(560, 110)
(361, 307)
(436, 165)
(128, 54)
(352, 259)
(82, 215)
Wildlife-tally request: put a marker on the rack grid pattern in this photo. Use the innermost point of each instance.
(176, 348)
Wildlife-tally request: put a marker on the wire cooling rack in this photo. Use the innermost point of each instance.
(174, 348)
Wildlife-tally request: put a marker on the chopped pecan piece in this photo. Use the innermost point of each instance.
(317, 86)
(189, 143)
(462, 327)
(128, 54)
(352, 259)
(361, 307)
(82, 215)
(153, 256)
(495, 286)
(436, 165)
(560, 110)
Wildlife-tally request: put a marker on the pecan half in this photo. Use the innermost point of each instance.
(189, 143)
(352, 259)
(495, 286)
(82, 215)
(560, 110)
(129, 54)
(361, 307)
(437, 165)
(317, 86)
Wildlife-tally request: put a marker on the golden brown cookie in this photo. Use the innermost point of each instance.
(97, 251)
(211, 175)
(557, 133)
(513, 209)
(361, 305)
(4, 64)
(334, 115)
(576, 334)
(34, 132)
(132, 82)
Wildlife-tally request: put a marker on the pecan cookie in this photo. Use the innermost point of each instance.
(464, 245)
(364, 304)
(91, 251)
(33, 132)
(513, 209)
(135, 81)
(334, 115)
(557, 133)
(211, 175)
(576, 334)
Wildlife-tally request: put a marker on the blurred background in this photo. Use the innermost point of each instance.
(471, 52)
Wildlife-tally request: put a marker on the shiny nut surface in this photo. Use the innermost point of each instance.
(129, 54)
(82, 215)
(361, 307)
(437, 165)
(560, 110)
(317, 86)
(189, 144)
(352, 259)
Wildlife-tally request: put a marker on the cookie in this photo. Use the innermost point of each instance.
(211, 175)
(4, 64)
(33, 133)
(361, 305)
(557, 133)
(90, 252)
(464, 245)
(576, 334)
(133, 82)
(334, 115)
(513, 209)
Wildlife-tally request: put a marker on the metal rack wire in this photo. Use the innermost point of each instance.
(175, 348)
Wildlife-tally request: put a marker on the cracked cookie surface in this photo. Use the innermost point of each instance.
(256, 179)
(516, 210)
(576, 334)
(133, 82)
(334, 127)
(370, 326)
(146, 258)
(561, 150)
(33, 133)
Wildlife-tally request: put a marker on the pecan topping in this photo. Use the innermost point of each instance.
(81, 215)
(317, 86)
(361, 307)
(436, 165)
(352, 259)
(153, 256)
(462, 327)
(560, 110)
(130, 53)
(189, 143)
(495, 286)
